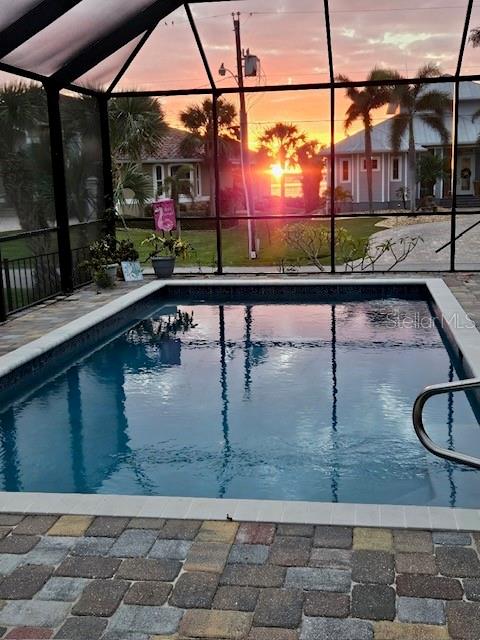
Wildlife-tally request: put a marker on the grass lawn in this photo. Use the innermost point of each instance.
(273, 251)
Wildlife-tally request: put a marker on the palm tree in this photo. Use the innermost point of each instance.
(280, 144)
(137, 126)
(418, 101)
(475, 37)
(198, 120)
(363, 102)
(312, 165)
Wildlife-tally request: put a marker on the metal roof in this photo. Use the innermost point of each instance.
(425, 136)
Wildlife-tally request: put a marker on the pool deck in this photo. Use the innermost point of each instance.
(114, 568)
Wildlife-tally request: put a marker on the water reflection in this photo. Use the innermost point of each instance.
(281, 402)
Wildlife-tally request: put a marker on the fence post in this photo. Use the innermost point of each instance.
(3, 303)
(59, 188)
(8, 284)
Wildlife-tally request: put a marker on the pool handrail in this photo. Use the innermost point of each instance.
(434, 390)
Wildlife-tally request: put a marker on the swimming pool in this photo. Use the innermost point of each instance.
(305, 396)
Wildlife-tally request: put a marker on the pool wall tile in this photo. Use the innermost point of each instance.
(467, 519)
(343, 514)
(367, 515)
(392, 516)
(417, 517)
(442, 518)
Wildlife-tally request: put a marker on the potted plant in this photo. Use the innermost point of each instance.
(125, 252)
(171, 248)
(102, 262)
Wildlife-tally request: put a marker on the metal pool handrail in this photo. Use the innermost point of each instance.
(434, 390)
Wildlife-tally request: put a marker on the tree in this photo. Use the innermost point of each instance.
(475, 37)
(312, 165)
(418, 101)
(198, 120)
(25, 161)
(280, 144)
(429, 169)
(363, 102)
(137, 126)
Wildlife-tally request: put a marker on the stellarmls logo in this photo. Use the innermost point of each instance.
(397, 320)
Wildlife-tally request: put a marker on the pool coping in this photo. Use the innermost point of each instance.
(465, 341)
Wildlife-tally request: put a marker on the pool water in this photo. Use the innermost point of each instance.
(263, 401)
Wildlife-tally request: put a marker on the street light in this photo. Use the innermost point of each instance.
(244, 60)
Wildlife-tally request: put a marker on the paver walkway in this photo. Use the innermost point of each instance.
(85, 578)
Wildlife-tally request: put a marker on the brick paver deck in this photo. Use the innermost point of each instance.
(86, 578)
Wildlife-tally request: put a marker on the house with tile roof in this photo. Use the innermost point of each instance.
(390, 170)
(171, 155)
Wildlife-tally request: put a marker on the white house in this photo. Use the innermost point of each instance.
(390, 169)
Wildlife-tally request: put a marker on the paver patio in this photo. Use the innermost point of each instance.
(418, 585)
(115, 578)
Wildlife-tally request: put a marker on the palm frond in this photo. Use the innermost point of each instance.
(432, 100)
(436, 123)
(398, 128)
(474, 37)
(351, 115)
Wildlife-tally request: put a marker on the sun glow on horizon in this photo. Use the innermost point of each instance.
(277, 171)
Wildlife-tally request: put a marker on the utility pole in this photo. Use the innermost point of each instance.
(244, 149)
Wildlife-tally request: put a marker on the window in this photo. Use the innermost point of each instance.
(159, 181)
(396, 169)
(375, 164)
(189, 184)
(345, 171)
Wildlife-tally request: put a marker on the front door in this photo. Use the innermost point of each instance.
(465, 177)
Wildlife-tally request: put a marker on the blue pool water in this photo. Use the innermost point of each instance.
(275, 401)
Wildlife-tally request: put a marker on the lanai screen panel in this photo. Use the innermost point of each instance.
(471, 57)
(169, 59)
(87, 22)
(11, 10)
(102, 75)
(289, 38)
(400, 36)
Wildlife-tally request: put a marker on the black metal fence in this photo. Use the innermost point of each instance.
(29, 275)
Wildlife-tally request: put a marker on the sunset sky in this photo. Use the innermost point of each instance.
(289, 38)
(287, 35)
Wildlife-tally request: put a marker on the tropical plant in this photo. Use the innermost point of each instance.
(430, 168)
(312, 165)
(167, 245)
(280, 145)
(125, 251)
(363, 102)
(198, 120)
(179, 184)
(131, 183)
(341, 195)
(357, 254)
(25, 157)
(137, 126)
(403, 193)
(418, 101)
